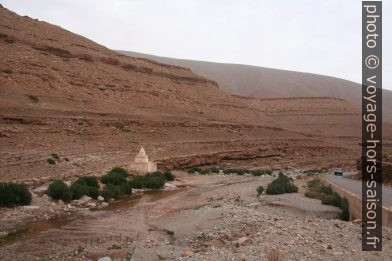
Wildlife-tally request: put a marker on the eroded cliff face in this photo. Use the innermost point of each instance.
(62, 93)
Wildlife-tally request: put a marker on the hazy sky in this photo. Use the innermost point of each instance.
(321, 37)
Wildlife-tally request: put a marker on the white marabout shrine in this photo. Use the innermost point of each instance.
(142, 164)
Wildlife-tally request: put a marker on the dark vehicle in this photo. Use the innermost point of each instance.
(338, 172)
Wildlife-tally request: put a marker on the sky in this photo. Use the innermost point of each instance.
(322, 37)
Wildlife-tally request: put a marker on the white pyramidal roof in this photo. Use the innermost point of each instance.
(142, 152)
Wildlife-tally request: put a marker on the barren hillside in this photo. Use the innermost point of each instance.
(264, 82)
(62, 93)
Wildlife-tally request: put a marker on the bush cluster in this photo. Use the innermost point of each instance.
(116, 184)
(313, 172)
(203, 171)
(13, 194)
(168, 176)
(112, 191)
(259, 172)
(116, 176)
(238, 171)
(254, 172)
(154, 180)
(282, 184)
(318, 190)
(59, 190)
(87, 185)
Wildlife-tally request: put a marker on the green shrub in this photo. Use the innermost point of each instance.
(59, 190)
(107, 194)
(93, 192)
(333, 200)
(214, 170)
(236, 171)
(12, 194)
(154, 182)
(55, 156)
(314, 194)
(87, 185)
(282, 184)
(313, 172)
(328, 197)
(314, 183)
(119, 170)
(198, 170)
(260, 190)
(51, 161)
(89, 181)
(327, 190)
(194, 170)
(115, 178)
(117, 193)
(154, 174)
(259, 172)
(345, 214)
(111, 191)
(126, 188)
(137, 182)
(78, 190)
(169, 176)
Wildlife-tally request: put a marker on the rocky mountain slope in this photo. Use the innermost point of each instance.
(62, 93)
(264, 82)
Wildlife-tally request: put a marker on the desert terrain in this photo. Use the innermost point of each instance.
(208, 218)
(262, 82)
(63, 94)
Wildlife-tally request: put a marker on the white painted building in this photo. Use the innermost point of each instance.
(142, 165)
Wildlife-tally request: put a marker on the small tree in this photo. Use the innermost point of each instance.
(282, 184)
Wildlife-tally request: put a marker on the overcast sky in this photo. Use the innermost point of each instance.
(321, 37)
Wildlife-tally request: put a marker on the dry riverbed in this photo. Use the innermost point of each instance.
(212, 217)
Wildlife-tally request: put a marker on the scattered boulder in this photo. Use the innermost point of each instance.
(40, 191)
(83, 200)
(187, 253)
(357, 221)
(105, 258)
(241, 241)
(162, 256)
(30, 207)
(91, 205)
(100, 198)
(169, 186)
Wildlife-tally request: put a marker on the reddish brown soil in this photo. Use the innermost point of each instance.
(62, 93)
